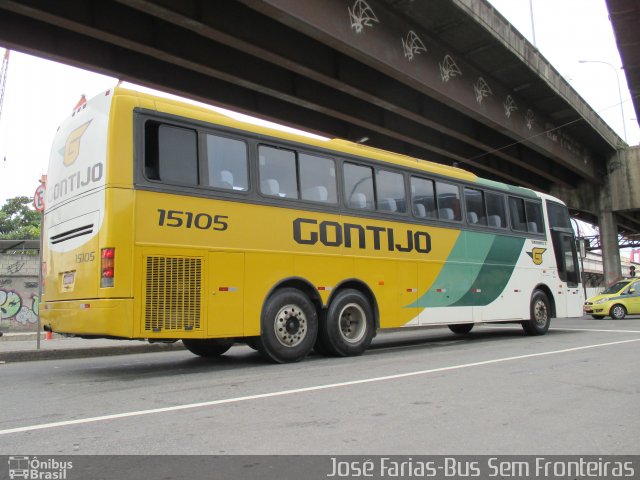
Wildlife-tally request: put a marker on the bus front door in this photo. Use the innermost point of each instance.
(569, 301)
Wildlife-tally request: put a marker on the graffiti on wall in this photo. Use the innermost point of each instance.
(15, 267)
(14, 308)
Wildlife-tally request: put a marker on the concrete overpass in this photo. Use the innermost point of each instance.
(449, 81)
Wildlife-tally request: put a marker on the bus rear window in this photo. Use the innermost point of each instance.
(171, 154)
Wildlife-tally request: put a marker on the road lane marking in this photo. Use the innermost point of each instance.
(569, 329)
(594, 330)
(294, 391)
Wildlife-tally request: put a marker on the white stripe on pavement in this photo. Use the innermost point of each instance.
(301, 390)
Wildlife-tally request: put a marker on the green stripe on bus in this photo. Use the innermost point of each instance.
(495, 273)
(457, 274)
(476, 272)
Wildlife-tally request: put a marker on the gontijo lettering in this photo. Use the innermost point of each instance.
(307, 231)
(76, 182)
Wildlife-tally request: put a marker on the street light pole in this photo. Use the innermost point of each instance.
(615, 70)
(533, 27)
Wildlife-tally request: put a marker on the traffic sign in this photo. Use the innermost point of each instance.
(38, 198)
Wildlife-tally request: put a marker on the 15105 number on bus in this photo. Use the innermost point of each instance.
(201, 221)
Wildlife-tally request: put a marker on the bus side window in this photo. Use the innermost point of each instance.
(358, 186)
(390, 188)
(496, 210)
(423, 198)
(448, 196)
(558, 215)
(227, 163)
(474, 201)
(171, 154)
(317, 178)
(534, 217)
(278, 172)
(518, 216)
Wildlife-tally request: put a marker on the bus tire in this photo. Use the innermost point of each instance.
(208, 348)
(461, 328)
(618, 312)
(289, 326)
(540, 314)
(347, 329)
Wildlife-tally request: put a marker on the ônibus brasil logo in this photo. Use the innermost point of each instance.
(34, 468)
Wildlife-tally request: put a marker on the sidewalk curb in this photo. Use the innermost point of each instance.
(69, 353)
(25, 336)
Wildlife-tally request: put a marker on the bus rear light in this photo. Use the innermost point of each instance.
(107, 268)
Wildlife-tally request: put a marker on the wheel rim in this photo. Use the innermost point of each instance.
(618, 311)
(540, 313)
(290, 325)
(353, 323)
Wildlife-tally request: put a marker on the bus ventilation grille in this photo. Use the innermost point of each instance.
(173, 298)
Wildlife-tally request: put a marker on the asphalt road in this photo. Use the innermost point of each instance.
(575, 390)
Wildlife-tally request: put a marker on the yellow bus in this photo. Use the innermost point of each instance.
(167, 221)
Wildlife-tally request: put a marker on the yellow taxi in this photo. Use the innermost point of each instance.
(620, 299)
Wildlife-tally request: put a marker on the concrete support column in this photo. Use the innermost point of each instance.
(609, 235)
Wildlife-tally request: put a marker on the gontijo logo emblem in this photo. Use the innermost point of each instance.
(72, 146)
(536, 255)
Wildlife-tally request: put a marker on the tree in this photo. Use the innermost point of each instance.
(18, 220)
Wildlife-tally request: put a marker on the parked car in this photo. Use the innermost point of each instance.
(620, 299)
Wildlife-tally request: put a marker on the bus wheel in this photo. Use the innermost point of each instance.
(211, 347)
(461, 328)
(540, 315)
(348, 326)
(618, 312)
(289, 326)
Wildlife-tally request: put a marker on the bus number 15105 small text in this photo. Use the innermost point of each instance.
(202, 221)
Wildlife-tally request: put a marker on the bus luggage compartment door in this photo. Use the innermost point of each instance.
(226, 294)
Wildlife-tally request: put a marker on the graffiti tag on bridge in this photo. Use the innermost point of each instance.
(15, 267)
